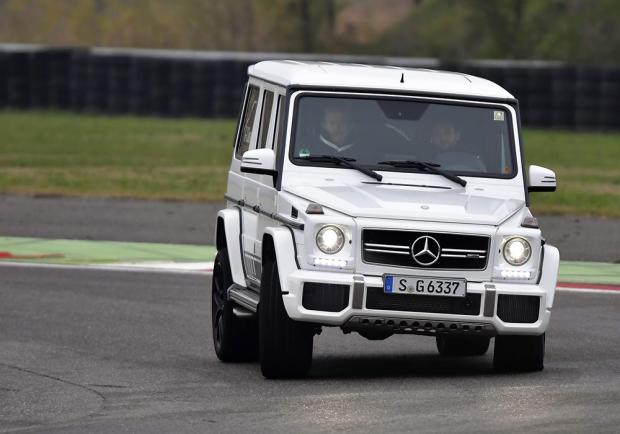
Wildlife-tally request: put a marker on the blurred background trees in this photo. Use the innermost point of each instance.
(577, 31)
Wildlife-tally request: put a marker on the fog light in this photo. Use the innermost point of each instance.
(516, 274)
(330, 262)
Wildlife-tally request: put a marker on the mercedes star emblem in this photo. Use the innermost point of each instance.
(425, 250)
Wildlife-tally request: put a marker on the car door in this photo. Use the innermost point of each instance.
(259, 191)
(267, 193)
(238, 187)
(243, 140)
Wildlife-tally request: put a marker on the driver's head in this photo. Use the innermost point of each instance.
(444, 136)
(336, 125)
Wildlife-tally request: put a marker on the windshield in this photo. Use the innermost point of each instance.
(463, 139)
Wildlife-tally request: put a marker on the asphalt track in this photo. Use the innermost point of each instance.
(578, 238)
(125, 351)
(92, 351)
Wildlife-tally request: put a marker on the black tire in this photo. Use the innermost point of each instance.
(285, 345)
(458, 346)
(519, 353)
(234, 339)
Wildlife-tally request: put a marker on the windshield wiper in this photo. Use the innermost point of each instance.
(348, 162)
(429, 167)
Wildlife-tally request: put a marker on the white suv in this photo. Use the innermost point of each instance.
(380, 200)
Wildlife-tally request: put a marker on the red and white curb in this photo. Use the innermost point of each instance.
(153, 267)
(588, 287)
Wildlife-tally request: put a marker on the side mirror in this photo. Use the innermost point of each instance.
(541, 179)
(259, 161)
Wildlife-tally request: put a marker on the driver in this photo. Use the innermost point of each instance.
(336, 127)
(444, 136)
(334, 135)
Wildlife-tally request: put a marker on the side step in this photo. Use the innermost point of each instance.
(245, 298)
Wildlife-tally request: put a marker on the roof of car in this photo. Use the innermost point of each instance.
(376, 77)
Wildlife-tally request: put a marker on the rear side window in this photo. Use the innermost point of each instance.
(247, 125)
(265, 118)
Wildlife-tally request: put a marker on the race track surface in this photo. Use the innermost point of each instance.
(102, 352)
(108, 219)
(578, 238)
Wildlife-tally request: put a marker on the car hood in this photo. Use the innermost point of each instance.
(408, 203)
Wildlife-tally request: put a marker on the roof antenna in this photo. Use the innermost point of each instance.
(402, 78)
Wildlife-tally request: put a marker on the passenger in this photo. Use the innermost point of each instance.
(445, 139)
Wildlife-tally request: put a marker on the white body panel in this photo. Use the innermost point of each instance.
(405, 201)
(384, 201)
(364, 77)
(293, 292)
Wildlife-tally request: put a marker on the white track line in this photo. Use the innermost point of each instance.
(196, 268)
(172, 266)
(589, 290)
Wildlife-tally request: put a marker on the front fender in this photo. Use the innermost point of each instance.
(229, 223)
(285, 254)
(550, 269)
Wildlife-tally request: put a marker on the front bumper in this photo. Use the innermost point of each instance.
(356, 314)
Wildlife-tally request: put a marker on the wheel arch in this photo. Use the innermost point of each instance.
(550, 270)
(279, 245)
(227, 235)
(220, 234)
(268, 248)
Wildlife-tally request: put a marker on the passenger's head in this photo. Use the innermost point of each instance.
(444, 136)
(336, 124)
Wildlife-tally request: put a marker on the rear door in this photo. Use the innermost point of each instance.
(237, 186)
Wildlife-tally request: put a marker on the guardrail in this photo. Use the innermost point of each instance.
(209, 84)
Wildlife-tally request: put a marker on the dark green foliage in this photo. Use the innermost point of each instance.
(576, 31)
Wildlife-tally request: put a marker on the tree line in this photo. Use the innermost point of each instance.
(575, 31)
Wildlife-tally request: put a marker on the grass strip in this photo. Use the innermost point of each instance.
(589, 272)
(56, 153)
(75, 252)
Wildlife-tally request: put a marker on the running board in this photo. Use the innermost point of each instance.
(246, 298)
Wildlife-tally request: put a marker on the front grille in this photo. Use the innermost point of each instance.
(456, 251)
(377, 299)
(518, 308)
(325, 297)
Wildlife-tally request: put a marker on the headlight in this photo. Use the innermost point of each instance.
(517, 251)
(330, 239)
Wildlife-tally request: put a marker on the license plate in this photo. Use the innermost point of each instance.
(424, 286)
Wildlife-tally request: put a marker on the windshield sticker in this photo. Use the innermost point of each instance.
(498, 115)
(304, 152)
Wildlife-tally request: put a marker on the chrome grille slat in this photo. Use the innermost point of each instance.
(463, 251)
(392, 252)
(463, 256)
(387, 246)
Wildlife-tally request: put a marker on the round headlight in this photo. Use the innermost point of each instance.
(330, 239)
(517, 251)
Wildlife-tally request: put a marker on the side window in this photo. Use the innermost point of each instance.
(280, 122)
(265, 118)
(247, 124)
